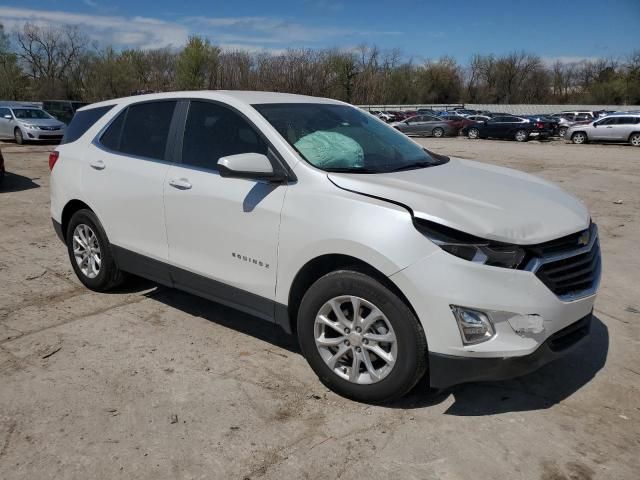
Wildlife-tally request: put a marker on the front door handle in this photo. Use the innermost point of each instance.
(98, 165)
(180, 183)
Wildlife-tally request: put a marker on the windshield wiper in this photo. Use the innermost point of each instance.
(412, 166)
(352, 170)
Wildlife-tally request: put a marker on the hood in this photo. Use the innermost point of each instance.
(42, 122)
(490, 202)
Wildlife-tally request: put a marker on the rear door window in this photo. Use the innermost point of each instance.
(142, 130)
(83, 121)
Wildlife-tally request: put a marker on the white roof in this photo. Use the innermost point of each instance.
(230, 96)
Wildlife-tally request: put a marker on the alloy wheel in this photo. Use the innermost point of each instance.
(474, 133)
(86, 250)
(521, 135)
(438, 132)
(635, 139)
(355, 339)
(578, 138)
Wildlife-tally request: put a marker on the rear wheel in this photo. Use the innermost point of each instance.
(360, 338)
(579, 138)
(522, 136)
(473, 133)
(634, 139)
(438, 132)
(17, 135)
(562, 132)
(90, 252)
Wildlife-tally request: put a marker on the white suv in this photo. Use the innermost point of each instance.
(387, 260)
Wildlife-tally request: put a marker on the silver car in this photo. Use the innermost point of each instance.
(613, 128)
(426, 125)
(29, 124)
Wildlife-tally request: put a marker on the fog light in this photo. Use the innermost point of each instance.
(475, 326)
(527, 324)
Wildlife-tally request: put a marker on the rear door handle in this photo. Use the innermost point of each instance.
(180, 183)
(98, 165)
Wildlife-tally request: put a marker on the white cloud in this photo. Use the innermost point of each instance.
(568, 59)
(252, 33)
(119, 31)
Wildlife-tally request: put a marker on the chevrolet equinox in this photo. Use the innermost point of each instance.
(388, 261)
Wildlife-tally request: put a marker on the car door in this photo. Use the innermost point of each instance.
(602, 129)
(493, 127)
(413, 125)
(222, 232)
(6, 129)
(623, 128)
(124, 179)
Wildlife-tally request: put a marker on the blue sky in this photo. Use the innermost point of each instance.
(567, 30)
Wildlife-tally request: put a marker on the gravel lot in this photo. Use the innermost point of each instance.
(149, 382)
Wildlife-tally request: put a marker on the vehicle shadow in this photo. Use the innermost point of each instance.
(217, 313)
(13, 182)
(539, 390)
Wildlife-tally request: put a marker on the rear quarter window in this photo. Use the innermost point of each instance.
(83, 121)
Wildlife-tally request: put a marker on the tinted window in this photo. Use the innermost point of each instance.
(213, 131)
(142, 130)
(83, 121)
(606, 121)
(626, 121)
(4, 111)
(111, 137)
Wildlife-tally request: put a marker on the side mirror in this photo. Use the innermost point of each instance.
(8, 116)
(595, 124)
(253, 166)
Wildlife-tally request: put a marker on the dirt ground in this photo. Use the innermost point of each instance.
(152, 383)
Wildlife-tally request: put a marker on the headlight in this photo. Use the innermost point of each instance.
(28, 125)
(471, 248)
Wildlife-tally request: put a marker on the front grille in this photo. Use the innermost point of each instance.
(50, 137)
(569, 266)
(570, 335)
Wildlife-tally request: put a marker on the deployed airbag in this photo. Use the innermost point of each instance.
(330, 150)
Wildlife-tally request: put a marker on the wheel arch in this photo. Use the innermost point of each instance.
(69, 209)
(319, 266)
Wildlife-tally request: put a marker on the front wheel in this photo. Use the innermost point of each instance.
(562, 132)
(438, 132)
(360, 338)
(522, 136)
(579, 138)
(473, 133)
(634, 139)
(17, 135)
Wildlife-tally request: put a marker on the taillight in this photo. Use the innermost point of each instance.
(53, 158)
(540, 125)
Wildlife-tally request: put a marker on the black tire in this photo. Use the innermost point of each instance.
(473, 133)
(562, 132)
(411, 362)
(634, 139)
(109, 276)
(438, 132)
(17, 135)
(521, 136)
(579, 138)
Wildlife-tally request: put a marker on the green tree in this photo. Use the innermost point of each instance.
(197, 65)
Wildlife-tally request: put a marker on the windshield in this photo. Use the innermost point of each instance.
(30, 113)
(340, 138)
